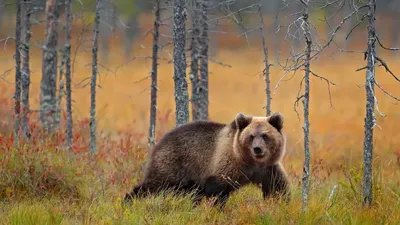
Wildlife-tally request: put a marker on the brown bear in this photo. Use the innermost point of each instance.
(215, 159)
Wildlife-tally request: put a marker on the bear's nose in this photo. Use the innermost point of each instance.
(257, 150)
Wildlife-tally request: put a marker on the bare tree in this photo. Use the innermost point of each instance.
(194, 66)
(94, 78)
(306, 101)
(153, 95)
(179, 38)
(17, 95)
(203, 45)
(26, 37)
(48, 83)
(68, 90)
(370, 117)
(267, 65)
(371, 100)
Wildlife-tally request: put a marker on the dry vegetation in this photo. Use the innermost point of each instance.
(42, 184)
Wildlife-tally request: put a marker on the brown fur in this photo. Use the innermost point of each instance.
(215, 159)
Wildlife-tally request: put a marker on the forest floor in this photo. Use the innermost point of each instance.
(43, 184)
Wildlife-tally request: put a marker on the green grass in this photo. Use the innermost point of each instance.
(95, 199)
(245, 207)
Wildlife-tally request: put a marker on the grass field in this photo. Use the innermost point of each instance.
(42, 184)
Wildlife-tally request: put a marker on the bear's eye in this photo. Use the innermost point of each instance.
(265, 137)
(251, 137)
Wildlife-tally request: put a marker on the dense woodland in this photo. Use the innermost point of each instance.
(88, 87)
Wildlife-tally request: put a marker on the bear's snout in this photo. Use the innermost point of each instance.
(257, 151)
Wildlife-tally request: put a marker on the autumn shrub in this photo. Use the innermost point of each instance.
(27, 173)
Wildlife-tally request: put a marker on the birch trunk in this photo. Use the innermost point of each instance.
(370, 104)
(93, 80)
(26, 37)
(179, 38)
(203, 82)
(267, 65)
(60, 91)
(194, 66)
(306, 101)
(68, 72)
(153, 95)
(48, 83)
(17, 94)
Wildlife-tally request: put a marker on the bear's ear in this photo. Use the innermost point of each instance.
(276, 120)
(241, 121)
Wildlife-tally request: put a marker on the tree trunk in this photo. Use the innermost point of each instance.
(267, 65)
(370, 117)
(306, 101)
(179, 39)
(93, 80)
(68, 72)
(203, 41)
(194, 66)
(60, 91)
(25, 68)
(17, 96)
(153, 95)
(48, 83)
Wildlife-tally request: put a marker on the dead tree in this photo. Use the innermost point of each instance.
(25, 75)
(94, 79)
(371, 100)
(267, 65)
(17, 95)
(203, 46)
(370, 117)
(306, 100)
(154, 68)
(194, 66)
(179, 54)
(48, 83)
(302, 60)
(68, 81)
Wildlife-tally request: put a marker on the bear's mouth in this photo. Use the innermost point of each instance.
(259, 156)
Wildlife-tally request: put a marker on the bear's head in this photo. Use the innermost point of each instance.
(259, 139)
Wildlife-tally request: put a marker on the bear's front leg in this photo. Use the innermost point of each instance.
(217, 187)
(275, 183)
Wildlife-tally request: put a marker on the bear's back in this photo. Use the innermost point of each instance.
(186, 150)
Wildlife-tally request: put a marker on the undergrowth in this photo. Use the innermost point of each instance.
(43, 183)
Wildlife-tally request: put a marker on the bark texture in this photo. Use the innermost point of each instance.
(203, 42)
(94, 79)
(153, 94)
(179, 38)
(68, 73)
(194, 66)
(370, 104)
(25, 75)
(17, 94)
(306, 101)
(48, 85)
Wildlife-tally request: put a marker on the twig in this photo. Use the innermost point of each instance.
(387, 68)
(386, 48)
(329, 86)
(386, 92)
